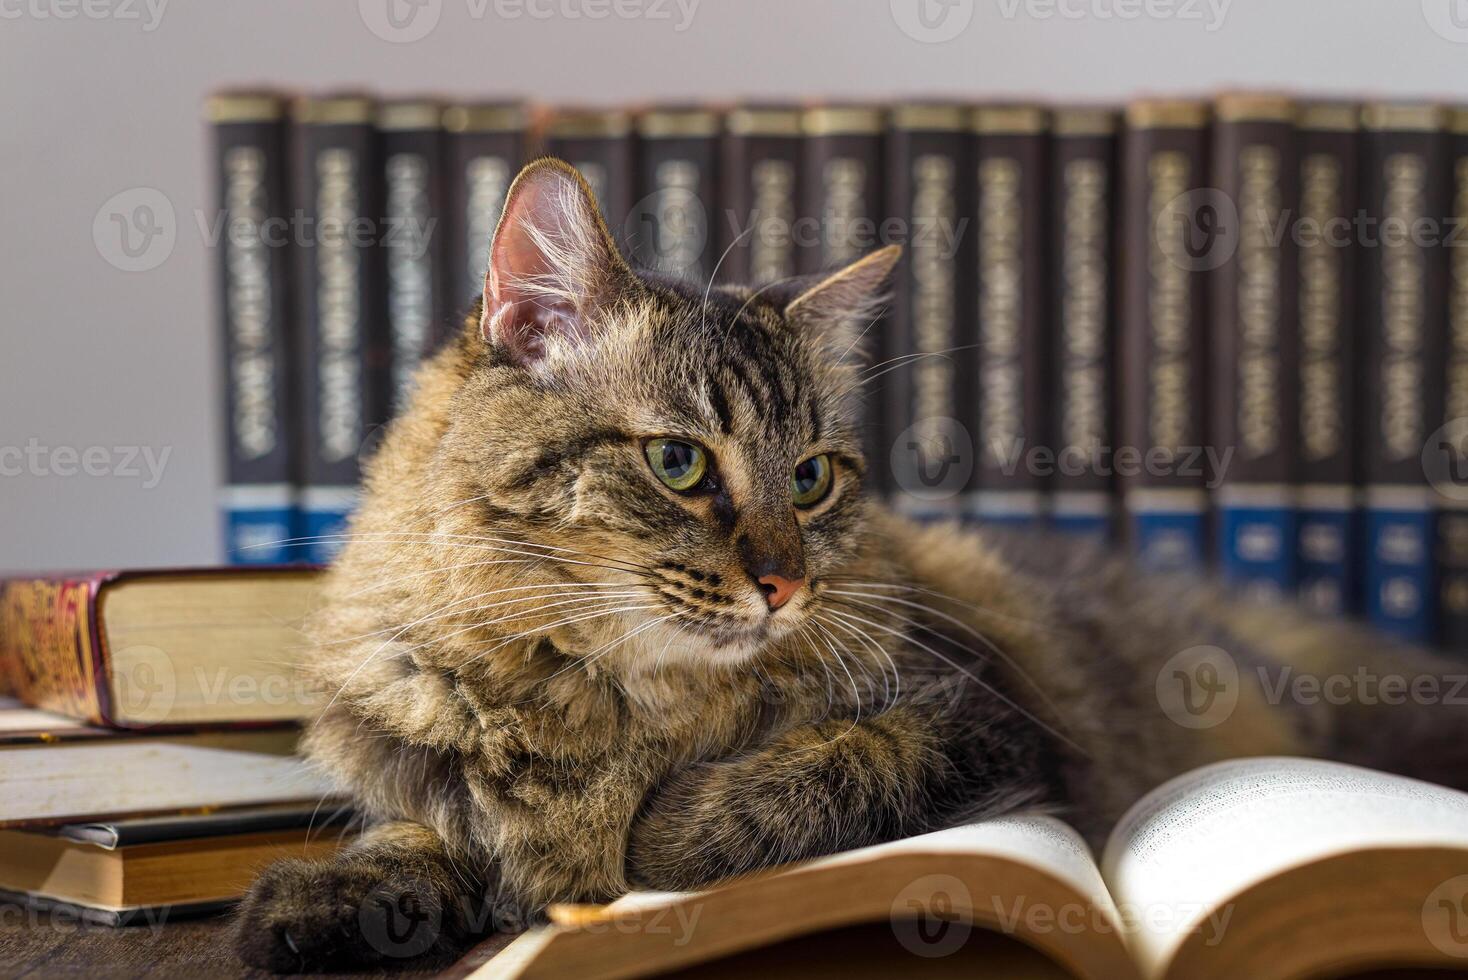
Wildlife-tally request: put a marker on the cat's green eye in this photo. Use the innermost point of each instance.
(680, 465)
(810, 481)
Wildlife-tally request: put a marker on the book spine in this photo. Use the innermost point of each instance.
(842, 206)
(343, 391)
(1451, 480)
(415, 305)
(601, 146)
(485, 148)
(1010, 168)
(671, 223)
(930, 400)
(1255, 348)
(258, 500)
(1168, 234)
(50, 658)
(759, 171)
(1328, 145)
(1083, 234)
(1405, 179)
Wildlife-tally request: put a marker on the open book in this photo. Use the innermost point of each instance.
(1260, 868)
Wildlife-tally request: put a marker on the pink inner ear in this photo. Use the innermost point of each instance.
(537, 259)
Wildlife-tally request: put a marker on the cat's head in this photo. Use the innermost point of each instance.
(700, 446)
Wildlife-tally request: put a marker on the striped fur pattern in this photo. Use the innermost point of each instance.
(551, 678)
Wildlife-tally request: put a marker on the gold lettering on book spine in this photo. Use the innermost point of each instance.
(1322, 426)
(46, 628)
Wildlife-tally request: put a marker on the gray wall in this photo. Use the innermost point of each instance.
(100, 97)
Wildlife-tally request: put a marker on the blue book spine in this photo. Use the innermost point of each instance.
(324, 516)
(1400, 586)
(1087, 514)
(1256, 540)
(1328, 536)
(260, 524)
(1168, 529)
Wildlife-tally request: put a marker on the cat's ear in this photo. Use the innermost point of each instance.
(842, 305)
(552, 261)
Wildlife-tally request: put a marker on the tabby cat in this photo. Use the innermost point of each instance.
(616, 612)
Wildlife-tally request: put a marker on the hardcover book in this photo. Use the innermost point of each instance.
(929, 394)
(159, 648)
(1169, 235)
(600, 144)
(1010, 164)
(672, 223)
(1452, 536)
(1255, 345)
(1082, 242)
(1269, 868)
(485, 148)
(258, 500)
(415, 304)
(759, 192)
(1404, 326)
(1328, 138)
(344, 392)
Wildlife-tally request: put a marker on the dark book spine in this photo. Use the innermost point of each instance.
(759, 191)
(1082, 239)
(840, 214)
(601, 146)
(1328, 141)
(928, 390)
(412, 237)
(1451, 475)
(1169, 230)
(484, 149)
(672, 221)
(1255, 350)
(1011, 473)
(1405, 319)
(344, 389)
(258, 500)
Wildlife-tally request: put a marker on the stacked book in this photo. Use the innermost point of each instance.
(1228, 334)
(147, 739)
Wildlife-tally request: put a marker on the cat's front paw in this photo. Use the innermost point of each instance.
(305, 916)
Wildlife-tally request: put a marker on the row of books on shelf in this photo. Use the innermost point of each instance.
(1227, 333)
(148, 730)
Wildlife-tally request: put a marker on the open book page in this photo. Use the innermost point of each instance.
(1178, 856)
(1030, 876)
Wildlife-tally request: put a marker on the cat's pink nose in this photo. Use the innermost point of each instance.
(778, 589)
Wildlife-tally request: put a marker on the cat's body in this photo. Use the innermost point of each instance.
(553, 678)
